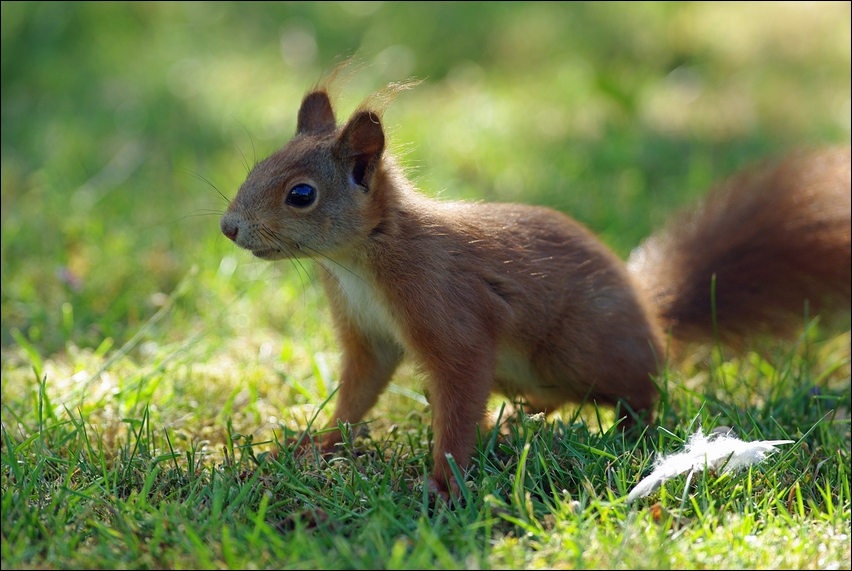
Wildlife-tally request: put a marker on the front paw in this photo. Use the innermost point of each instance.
(301, 445)
(442, 488)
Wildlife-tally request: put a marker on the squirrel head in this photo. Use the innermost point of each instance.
(319, 193)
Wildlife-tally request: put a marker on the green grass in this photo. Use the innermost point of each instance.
(148, 366)
(120, 483)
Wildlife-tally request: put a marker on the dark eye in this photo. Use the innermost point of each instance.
(301, 195)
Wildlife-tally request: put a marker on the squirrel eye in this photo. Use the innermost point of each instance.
(301, 195)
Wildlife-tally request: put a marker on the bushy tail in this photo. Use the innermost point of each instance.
(773, 238)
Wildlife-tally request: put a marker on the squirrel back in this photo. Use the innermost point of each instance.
(522, 299)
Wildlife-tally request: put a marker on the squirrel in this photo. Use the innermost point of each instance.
(523, 300)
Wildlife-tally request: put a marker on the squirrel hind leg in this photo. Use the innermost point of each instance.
(621, 378)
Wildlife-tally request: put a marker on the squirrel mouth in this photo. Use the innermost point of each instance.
(269, 254)
(282, 252)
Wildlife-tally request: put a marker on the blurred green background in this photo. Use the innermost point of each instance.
(120, 121)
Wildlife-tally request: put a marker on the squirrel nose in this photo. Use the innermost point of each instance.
(229, 228)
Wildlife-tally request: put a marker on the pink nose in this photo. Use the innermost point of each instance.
(229, 228)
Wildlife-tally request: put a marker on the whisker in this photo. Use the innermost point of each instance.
(201, 212)
(213, 186)
(335, 262)
(245, 161)
(313, 253)
(310, 252)
(292, 255)
(251, 140)
(197, 214)
(297, 263)
(331, 274)
(194, 214)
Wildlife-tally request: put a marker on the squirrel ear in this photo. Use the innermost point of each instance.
(362, 142)
(315, 114)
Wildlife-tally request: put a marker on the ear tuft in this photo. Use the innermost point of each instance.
(362, 142)
(315, 114)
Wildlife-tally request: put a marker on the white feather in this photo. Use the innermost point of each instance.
(713, 451)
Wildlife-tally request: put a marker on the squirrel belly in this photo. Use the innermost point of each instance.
(524, 300)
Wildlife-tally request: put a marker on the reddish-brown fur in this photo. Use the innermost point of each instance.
(798, 211)
(524, 300)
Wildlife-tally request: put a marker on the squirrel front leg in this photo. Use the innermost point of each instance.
(459, 388)
(367, 367)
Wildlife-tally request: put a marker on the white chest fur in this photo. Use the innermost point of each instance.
(365, 302)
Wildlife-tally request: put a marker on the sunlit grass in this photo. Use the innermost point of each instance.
(155, 464)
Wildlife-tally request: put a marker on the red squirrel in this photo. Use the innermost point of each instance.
(521, 299)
